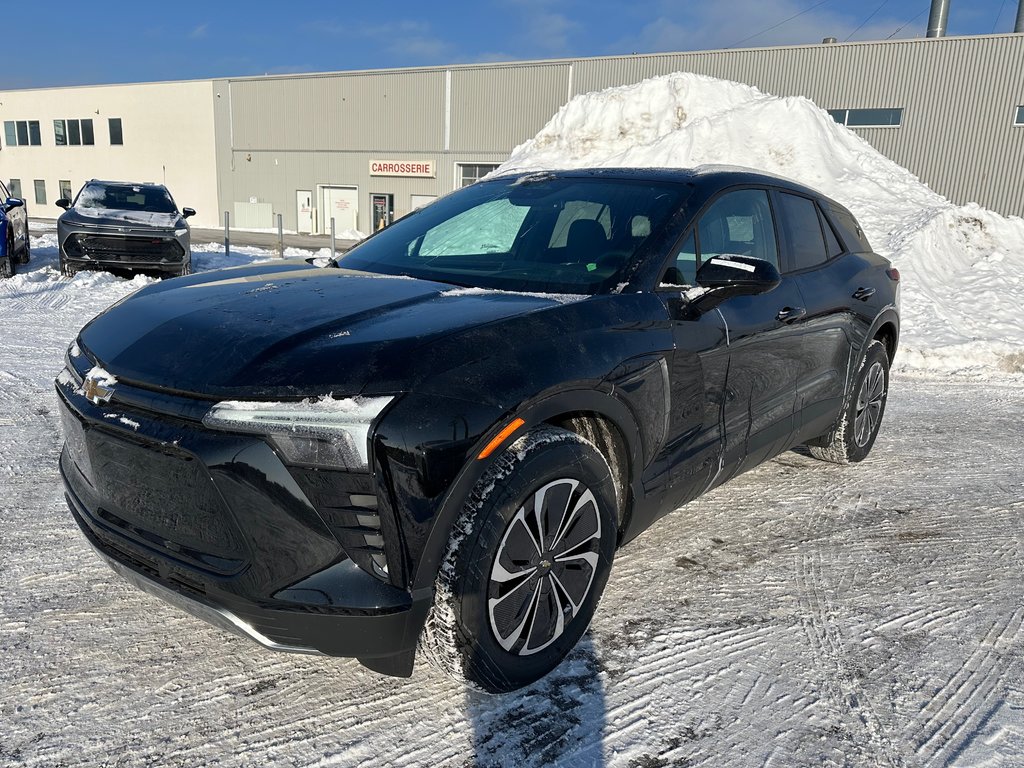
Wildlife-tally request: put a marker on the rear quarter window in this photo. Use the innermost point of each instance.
(849, 230)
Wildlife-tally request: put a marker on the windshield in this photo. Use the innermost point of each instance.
(125, 197)
(534, 234)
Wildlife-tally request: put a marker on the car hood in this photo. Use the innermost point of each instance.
(293, 330)
(90, 217)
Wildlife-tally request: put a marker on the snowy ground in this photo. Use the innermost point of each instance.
(804, 614)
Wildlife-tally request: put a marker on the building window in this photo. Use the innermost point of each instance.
(116, 136)
(868, 118)
(65, 189)
(470, 173)
(40, 192)
(73, 132)
(16, 188)
(22, 133)
(1019, 118)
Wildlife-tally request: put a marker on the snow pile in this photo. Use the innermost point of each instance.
(961, 265)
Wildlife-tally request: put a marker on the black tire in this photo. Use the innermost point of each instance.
(26, 252)
(852, 437)
(186, 269)
(7, 261)
(507, 611)
(65, 269)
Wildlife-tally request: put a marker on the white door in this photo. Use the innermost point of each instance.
(341, 204)
(304, 211)
(418, 201)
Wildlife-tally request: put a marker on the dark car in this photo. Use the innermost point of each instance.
(441, 440)
(14, 242)
(126, 226)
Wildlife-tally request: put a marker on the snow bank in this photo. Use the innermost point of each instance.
(961, 265)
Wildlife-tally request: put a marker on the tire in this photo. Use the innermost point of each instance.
(26, 252)
(186, 269)
(7, 261)
(496, 624)
(66, 269)
(851, 439)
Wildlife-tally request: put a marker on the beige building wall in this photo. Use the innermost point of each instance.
(168, 132)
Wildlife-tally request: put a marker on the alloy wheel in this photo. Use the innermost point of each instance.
(870, 400)
(544, 567)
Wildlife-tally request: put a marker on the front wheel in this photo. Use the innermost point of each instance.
(854, 434)
(526, 564)
(6, 266)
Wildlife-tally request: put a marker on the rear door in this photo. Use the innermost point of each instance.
(824, 272)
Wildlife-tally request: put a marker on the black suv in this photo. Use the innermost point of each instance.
(123, 225)
(440, 440)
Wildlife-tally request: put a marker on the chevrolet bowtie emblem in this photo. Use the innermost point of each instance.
(98, 388)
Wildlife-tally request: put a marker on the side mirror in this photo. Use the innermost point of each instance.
(64, 203)
(12, 203)
(728, 275)
(186, 212)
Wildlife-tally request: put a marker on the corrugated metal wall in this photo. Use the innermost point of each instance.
(276, 135)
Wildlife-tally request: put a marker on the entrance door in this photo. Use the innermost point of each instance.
(383, 207)
(304, 211)
(341, 204)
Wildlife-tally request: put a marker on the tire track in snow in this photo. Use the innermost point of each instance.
(821, 626)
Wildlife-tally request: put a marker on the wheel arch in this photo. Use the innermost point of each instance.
(586, 412)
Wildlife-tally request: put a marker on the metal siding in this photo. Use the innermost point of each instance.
(391, 111)
(496, 108)
(956, 93)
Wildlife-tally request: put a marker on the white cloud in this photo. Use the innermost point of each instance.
(726, 24)
(199, 31)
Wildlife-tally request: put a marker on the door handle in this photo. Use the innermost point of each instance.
(790, 314)
(863, 294)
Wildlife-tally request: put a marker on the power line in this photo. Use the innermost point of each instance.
(869, 18)
(901, 27)
(784, 21)
(998, 14)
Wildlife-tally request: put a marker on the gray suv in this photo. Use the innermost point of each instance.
(120, 225)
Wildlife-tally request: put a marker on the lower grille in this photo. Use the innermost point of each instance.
(124, 249)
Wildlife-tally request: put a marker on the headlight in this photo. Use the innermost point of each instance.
(180, 232)
(323, 432)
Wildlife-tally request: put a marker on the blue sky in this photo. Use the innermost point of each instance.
(71, 43)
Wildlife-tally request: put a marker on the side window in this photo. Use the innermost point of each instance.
(739, 223)
(804, 240)
(831, 241)
(684, 270)
(850, 231)
(488, 228)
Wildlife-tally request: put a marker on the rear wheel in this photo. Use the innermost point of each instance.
(526, 564)
(852, 437)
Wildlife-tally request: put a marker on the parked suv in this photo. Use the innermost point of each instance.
(442, 438)
(120, 225)
(14, 243)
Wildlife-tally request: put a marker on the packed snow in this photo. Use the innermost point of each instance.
(962, 266)
(803, 614)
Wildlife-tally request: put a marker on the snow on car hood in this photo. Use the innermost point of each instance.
(113, 218)
(289, 330)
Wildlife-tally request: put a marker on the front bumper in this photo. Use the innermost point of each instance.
(150, 251)
(216, 525)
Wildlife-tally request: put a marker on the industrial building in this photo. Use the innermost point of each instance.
(365, 147)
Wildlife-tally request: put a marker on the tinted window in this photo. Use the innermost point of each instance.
(684, 271)
(87, 134)
(116, 135)
(16, 188)
(40, 185)
(74, 133)
(804, 241)
(502, 234)
(849, 230)
(10, 133)
(1019, 117)
(868, 118)
(22, 132)
(60, 134)
(740, 223)
(33, 133)
(831, 242)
